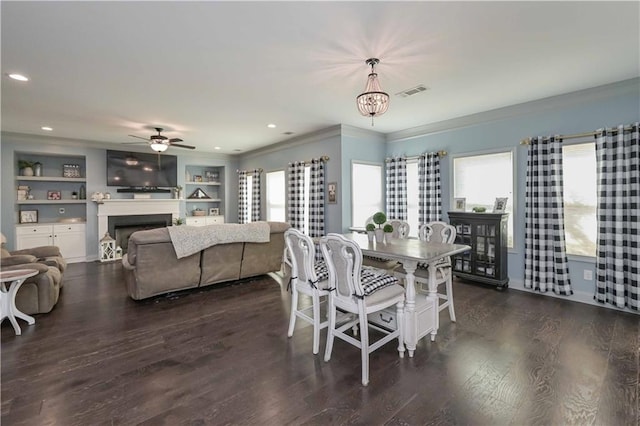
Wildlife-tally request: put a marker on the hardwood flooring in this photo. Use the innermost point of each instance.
(222, 356)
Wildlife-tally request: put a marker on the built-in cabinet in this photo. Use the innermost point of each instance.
(204, 220)
(70, 238)
(486, 233)
(204, 192)
(51, 205)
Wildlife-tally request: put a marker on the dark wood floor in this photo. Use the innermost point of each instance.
(221, 356)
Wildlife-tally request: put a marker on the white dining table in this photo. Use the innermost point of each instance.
(421, 315)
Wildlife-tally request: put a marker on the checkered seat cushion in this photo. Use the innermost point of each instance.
(322, 272)
(375, 279)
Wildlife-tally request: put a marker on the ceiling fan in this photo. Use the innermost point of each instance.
(160, 143)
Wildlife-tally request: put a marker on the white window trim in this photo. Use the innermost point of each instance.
(514, 165)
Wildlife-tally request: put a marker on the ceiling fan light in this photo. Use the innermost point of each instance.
(159, 146)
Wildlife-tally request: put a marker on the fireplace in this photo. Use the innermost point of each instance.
(121, 227)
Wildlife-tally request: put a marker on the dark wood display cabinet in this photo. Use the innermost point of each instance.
(486, 233)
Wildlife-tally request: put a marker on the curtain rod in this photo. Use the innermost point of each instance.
(415, 157)
(527, 141)
(324, 158)
(254, 170)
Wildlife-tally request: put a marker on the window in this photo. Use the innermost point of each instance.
(580, 198)
(483, 178)
(366, 192)
(412, 197)
(276, 210)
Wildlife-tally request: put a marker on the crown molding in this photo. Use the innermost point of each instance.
(358, 132)
(90, 144)
(316, 136)
(532, 107)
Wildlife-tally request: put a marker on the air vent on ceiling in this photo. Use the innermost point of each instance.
(288, 133)
(412, 91)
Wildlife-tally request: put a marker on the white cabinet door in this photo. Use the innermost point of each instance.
(214, 220)
(33, 236)
(196, 221)
(71, 239)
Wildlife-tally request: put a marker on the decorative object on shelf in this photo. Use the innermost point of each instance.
(373, 102)
(23, 192)
(198, 194)
(187, 176)
(479, 209)
(332, 188)
(178, 221)
(118, 252)
(107, 195)
(54, 195)
(197, 178)
(74, 195)
(211, 176)
(198, 212)
(28, 216)
(83, 192)
(370, 231)
(25, 167)
(177, 192)
(37, 169)
(379, 219)
(97, 197)
(459, 204)
(214, 211)
(71, 170)
(500, 205)
(107, 248)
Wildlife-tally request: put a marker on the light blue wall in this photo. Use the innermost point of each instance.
(277, 157)
(575, 113)
(96, 177)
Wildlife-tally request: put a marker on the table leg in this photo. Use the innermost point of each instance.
(9, 308)
(410, 329)
(433, 297)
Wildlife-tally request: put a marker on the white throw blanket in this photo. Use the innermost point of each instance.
(188, 240)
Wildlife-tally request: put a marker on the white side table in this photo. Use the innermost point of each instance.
(8, 297)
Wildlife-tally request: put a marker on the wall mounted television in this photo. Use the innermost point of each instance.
(143, 171)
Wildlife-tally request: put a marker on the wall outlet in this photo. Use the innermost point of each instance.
(588, 274)
(61, 210)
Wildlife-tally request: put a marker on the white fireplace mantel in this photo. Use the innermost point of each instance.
(132, 207)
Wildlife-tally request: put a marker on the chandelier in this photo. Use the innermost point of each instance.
(373, 102)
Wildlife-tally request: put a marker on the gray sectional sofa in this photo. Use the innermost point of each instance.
(151, 266)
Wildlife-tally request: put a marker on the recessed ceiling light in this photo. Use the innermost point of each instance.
(18, 77)
(271, 126)
(216, 147)
(47, 128)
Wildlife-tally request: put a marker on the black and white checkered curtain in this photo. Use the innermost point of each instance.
(396, 169)
(429, 192)
(545, 256)
(243, 216)
(295, 195)
(255, 195)
(316, 199)
(618, 258)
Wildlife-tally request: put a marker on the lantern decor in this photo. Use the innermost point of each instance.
(107, 248)
(118, 252)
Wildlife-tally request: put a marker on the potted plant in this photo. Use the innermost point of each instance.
(379, 219)
(26, 167)
(370, 228)
(178, 221)
(388, 229)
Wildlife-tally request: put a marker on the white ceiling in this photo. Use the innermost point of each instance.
(216, 73)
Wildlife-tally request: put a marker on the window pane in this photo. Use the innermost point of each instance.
(366, 192)
(412, 197)
(276, 196)
(483, 178)
(580, 198)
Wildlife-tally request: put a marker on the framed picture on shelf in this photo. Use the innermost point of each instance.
(500, 205)
(197, 178)
(211, 176)
(332, 188)
(54, 195)
(214, 211)
(28, 216)
(459, 204)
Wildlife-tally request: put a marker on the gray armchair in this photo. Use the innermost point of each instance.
(48, 255)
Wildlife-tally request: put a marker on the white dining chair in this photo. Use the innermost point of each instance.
(359, 292)
(440, 232)
(307, 277)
